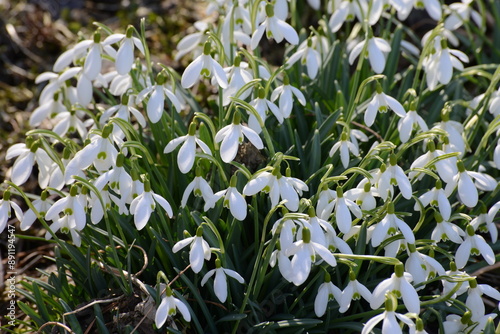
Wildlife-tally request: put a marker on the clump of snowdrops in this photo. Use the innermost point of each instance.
(350, 186)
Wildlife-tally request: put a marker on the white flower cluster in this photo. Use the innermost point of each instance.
(105, 120)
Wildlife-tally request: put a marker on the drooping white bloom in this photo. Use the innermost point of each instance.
(275, 28)
(474, 301)
(304, 255)
(237, 26)
(399, 283)
(485, 221)
(382, 102)
(473, 244)
(342, 207)
(327, 291)
(101, 152)
(238, 75)
(344, 146)
(199, 249)
(168, 307)
(460, 12)
(193, 42)
(363, 195)
(454, 277)
(233, 200)
(125, 54)
(71, 121)
(446, 168)
(456, 324)
(156, 102)
(123, 111)
(41, 206)
(204, 65)
(6, 206)
(231, 137)
(467, 189)
(390, 324)
(308, 56)
(406, 124)
(187, 152)
(286, 93)
(220, 281)
(262, 105)
(444, 230)
(199, 187)
(388, 226)
(455, 141)
(28, 154)
(377, 49)
(439, 65)
(347, 10)
(393, 175)
(422, 267)
(353, 291)
(144, 204)
(288, 188)
(404, 8)
(437, 198)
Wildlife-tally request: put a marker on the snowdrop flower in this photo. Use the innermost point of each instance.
(308, 56)
(399, 284)
(168, 307)
(377, 49)
(437, 198)
(233, 200)
(439, 65)
(144, 204)
(101, 152)
(388, 226)
(485, 221)
(467, 190)
(204, 65)
(347, 10)
(473, 245)
(6, 206)
(326, 292)
(393, 175)
(404, 8)
(199, 187)
(444, 230)
(455, 277)
(460, 12)
(288, 188)
(304, 254)
(156, 102)
(47, 109)
(97, 207)
(422, 267)
(474, 301)
(123, 111)
(446, 168)
(125, 55)
(382, 102)
(286, 93)
(275, 28)
(200, 249)
(262, 106)
(220, 282)
(454, 142)
(187, 152)
(71, 207)
(193, 42)
(120, 182)
(284, 263)
(406, 124)
(363, 195)
(456, 324)
(389, 317)
(343, 208)
(28, 154)
(232, 136)
(344, 146)
(353, 291)
(41, 205)
(237, 26)
(238, 75)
